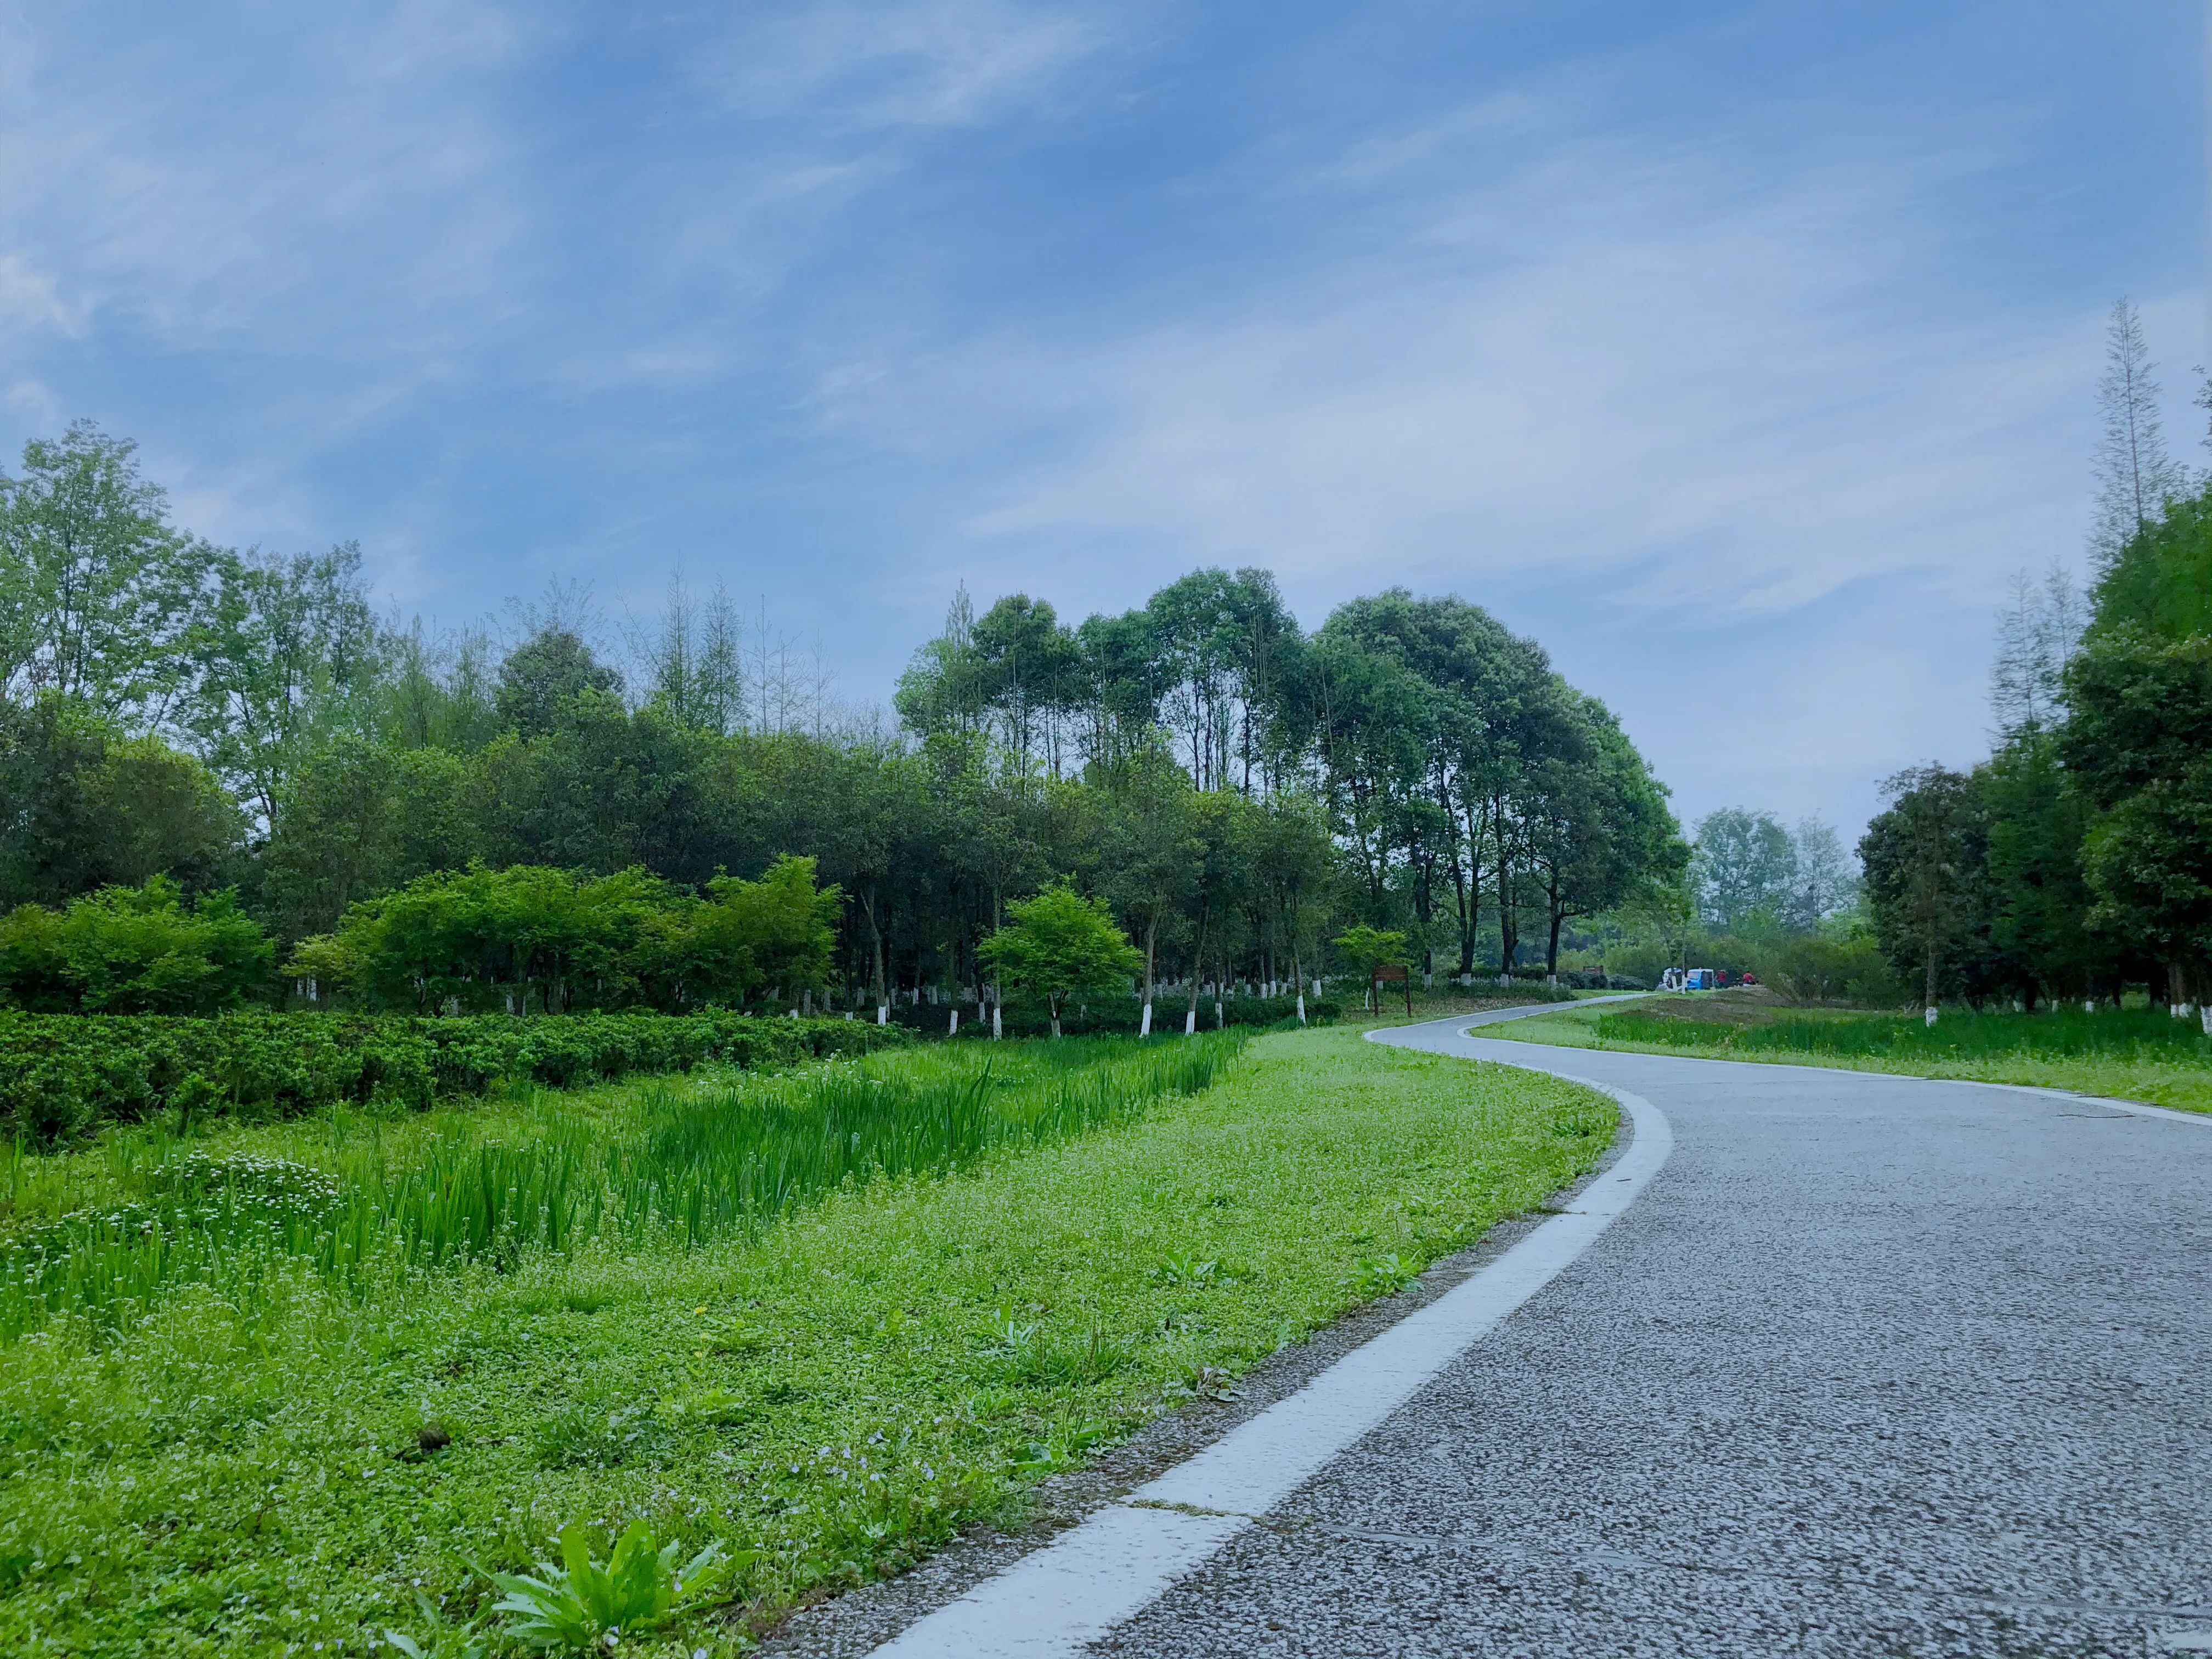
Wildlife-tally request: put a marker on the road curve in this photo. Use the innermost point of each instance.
(1873, 1366)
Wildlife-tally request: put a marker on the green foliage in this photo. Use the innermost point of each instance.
(268, 1459)
(485, 938)
(1371, 947)
(1233, 788)
(61, 1076)
(97, 591)
(84, 805)
(1812, 969)
(546, 680)
(1059, 943)
(134, 950)
(749, 936)
(584, 1604)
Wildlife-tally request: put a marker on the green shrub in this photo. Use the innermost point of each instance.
(134, 950)
(1817, 969)
(65, 1075)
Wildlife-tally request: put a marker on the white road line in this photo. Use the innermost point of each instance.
(1074, 1589)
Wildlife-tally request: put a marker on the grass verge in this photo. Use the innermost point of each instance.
(823, 1393)
(2124, 1054)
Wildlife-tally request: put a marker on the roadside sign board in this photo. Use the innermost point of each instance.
(1392, 973)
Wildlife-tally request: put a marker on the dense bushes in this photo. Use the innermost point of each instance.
(477, 938)
(1819, 969)
(63, 1075)
(133, 950)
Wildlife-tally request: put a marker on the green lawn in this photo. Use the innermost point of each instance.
(280, 1443)
(2136, 1054)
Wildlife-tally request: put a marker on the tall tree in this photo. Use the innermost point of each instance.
(1745, 863)
(2036, 632)
(1923, 861)
(99, 593)
(1150, 853)
(286, 645)
(2133, 473)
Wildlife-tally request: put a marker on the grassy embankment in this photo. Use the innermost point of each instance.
(2128, 1054)
(251, 1407)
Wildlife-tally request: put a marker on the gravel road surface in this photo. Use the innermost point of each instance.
(1874, 1366)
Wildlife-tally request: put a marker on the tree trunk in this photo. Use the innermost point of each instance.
(1152, 939)
(1197, 973)
(1508, 933)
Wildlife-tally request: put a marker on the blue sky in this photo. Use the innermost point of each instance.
(1739, 352)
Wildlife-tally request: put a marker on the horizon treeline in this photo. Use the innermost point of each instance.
(2076, 861)
(1235, 788)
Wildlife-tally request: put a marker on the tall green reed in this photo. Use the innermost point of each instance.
(690, 1164)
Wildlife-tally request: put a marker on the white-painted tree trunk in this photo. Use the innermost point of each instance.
(1190, 1021)
(1302, 1004)
(883, 1014)
(953, 1030)
(2204, 1015)
(2089, 1005)
(1145, 1022)
(1930, 1014)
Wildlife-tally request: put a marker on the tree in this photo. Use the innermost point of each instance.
(696, 661)
(777, 933)
(1922, 861)
(1371, 948)
(1150, 853)
(1744, 863)
(545, 677)
(2134, 475)
(84, 805)
(99, 594)
(1596, 821)
(356, 818)
(285, 646)
(1059, 943)
(1295, 859)
(2137, 745)
(2037, 633)
(1824, 882)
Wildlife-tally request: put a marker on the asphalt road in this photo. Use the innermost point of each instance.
(1874, 1366)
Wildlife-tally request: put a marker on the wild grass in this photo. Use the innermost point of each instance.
(821, 1390)
(695, 1161)
(2132, 1053)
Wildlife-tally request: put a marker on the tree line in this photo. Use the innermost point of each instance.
(186, 720)
(2076, 861)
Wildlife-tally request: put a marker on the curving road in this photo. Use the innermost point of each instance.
(1872, 1366)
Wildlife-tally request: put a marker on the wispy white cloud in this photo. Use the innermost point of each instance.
(1718, 380)
(881, 63)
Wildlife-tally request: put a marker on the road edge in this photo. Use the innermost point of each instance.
(1110, 1566)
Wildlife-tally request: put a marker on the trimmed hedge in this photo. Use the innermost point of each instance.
(63, 1075)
